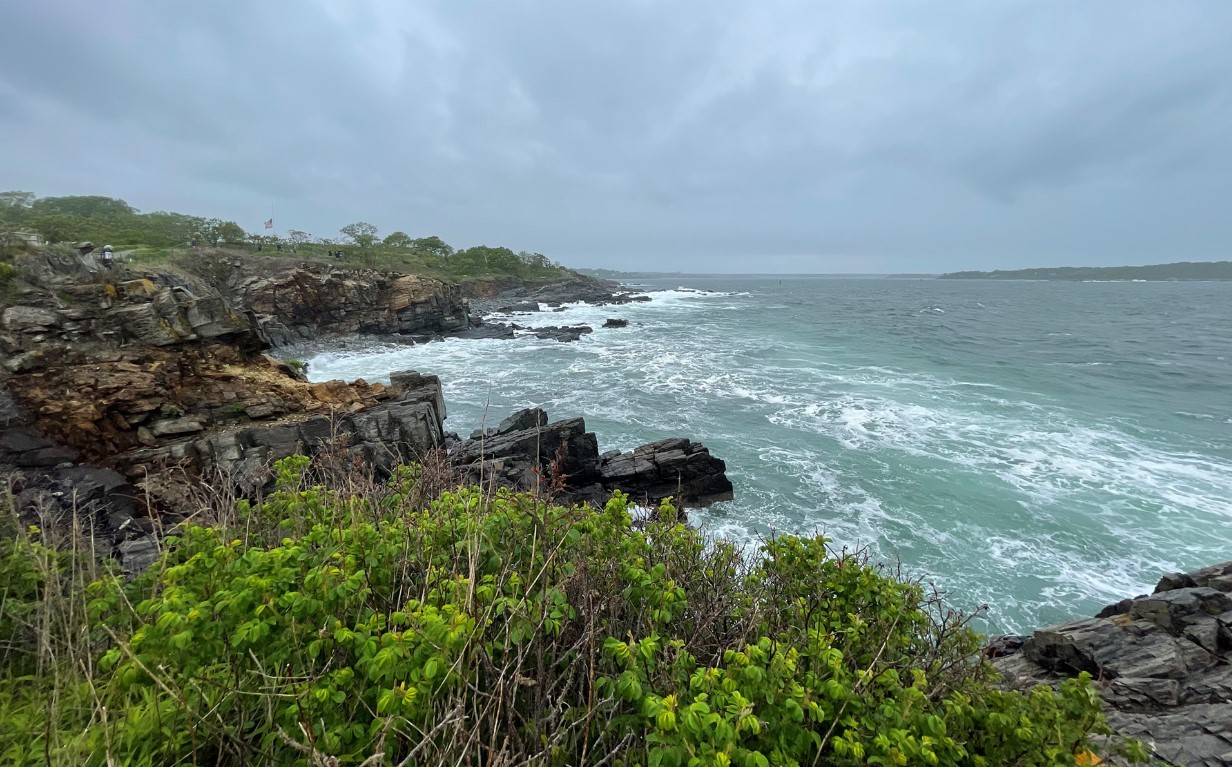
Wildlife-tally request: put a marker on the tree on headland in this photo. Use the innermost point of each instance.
(496, 259)
(109, 220)
(398, 240)
(432, 246)
(226, 232)
(298, 237)
(56, 227)
(85, 206)
(537, 260)
(364, 235)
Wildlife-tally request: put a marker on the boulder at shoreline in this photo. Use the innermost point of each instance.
(1162, 663)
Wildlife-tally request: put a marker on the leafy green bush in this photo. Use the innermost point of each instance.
(406, 627)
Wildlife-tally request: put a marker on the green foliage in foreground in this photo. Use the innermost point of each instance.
(392, 628)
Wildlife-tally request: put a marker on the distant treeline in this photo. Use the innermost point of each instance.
(1184, 270)
(106, 220)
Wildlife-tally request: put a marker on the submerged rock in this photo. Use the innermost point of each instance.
(487, 330)
(562, 334)
(521, 306)
(615, 323)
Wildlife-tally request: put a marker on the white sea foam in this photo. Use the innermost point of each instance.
(1004, 495)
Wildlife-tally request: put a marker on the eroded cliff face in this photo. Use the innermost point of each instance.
(122, 386)
(104, 402)
(311, 298)
(130, 393)
(105, 362)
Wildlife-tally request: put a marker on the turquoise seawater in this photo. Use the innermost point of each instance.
(1045, 448)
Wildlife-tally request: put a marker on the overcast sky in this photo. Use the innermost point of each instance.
(808, 136)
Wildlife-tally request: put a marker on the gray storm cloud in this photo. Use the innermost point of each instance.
(715, 136)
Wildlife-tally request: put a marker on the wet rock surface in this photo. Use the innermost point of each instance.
(310, 298)
(520, 300)
(527, 451)
(563, 333)
(674, 467)
(1162, 663)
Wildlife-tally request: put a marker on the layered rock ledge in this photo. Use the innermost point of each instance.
(1162, 663)
(129, 396)
(527, 451)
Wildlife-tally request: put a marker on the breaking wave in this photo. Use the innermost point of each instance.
(1042, 490)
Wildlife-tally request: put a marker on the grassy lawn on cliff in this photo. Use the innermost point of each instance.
(463, 265)
(406, 623)
(158, 237)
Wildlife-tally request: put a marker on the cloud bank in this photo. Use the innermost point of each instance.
(783, 135)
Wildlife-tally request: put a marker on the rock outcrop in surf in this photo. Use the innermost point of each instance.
(527, 451)
(1162, 663)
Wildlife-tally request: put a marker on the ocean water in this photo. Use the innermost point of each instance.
(1042, 448)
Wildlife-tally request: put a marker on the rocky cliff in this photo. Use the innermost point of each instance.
(312, 297)
(1162, 663)
(295, 300)
(130, 393)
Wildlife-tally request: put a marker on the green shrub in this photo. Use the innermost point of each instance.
(397, 628)
(47, 647)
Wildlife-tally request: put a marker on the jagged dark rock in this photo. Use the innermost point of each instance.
(1161, 663)
(524, 457)
(485, 298)
(673, 467)
(529, 418)
(588, 290)
(324, 298)
(521, 306)
(563, 334)
(487, 330)
(612, 322)
(380, 437)
(520, 453)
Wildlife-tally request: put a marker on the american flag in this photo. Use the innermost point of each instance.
(269, 224)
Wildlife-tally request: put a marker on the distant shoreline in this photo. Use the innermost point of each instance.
(612, 274)
(1184, 271)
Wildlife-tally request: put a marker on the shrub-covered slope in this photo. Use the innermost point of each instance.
(401, 625)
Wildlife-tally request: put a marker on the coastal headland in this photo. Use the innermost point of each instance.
(131, 392)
